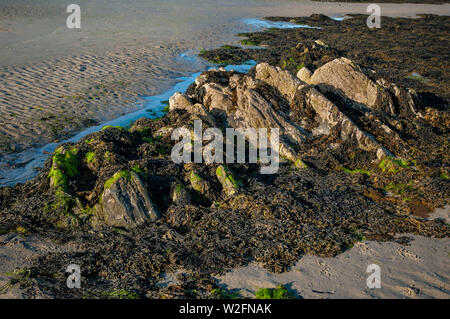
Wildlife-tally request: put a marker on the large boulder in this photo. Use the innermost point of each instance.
(125, 201)
(345, 78)
(340, 100)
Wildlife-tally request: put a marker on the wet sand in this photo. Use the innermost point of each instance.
(54, 81)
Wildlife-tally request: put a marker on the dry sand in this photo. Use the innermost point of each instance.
(420, 270)
(55, 81)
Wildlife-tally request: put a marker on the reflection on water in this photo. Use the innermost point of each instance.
(276, 24)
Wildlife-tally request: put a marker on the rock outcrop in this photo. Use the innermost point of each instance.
(346, 79)
(125, 201)
(336, 100)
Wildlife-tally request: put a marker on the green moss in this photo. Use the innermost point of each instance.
(292, 64)
(21, 230)
(225, 294)
(147, 140)
(161, 150)
(166, 109)
(58, 178)
(196, 181)
(220, 171)
(355, 171)
(250, 42)
(353, 230)
(393, 165)
(90, 157)
(145, 131)
(227, 47)
(273, 293)
(399, 188)
(64, 165)
(137, 169)
(227, 179)
(300, 164)
(108, 156)
(218, 60)
(444, 176)
(230, 180)
(178, 189)
(121, 174)
(110, 126)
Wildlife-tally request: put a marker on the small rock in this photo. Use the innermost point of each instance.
(229, 183)
(304, 74)
(125, 201)
(180, 195)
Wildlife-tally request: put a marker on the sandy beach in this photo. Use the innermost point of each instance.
(54, 81)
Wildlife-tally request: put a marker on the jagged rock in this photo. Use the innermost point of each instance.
(125, 201)
(242, 101)
(300, 164)
(180, 101)
(304, 74)
(218, 101)
(344, 76)
(282, 80)
(329, 115)
(255, 111)
(336, 99)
